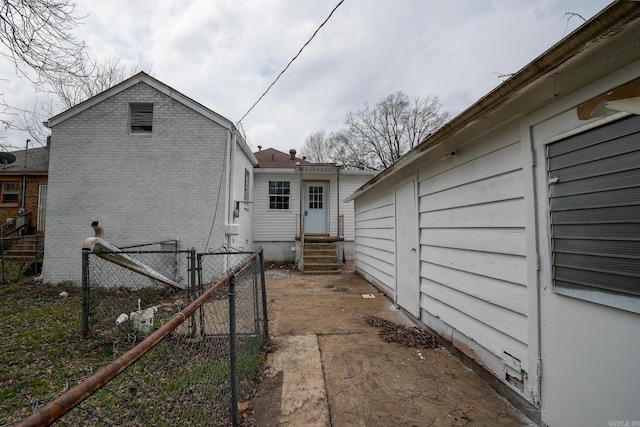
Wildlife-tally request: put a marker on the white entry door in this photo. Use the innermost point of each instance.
(407, 246)
(315, 209)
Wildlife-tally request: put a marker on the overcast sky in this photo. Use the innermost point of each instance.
(225, 53)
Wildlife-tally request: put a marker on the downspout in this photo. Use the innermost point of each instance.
(301, 203)
(24, 177)
(232, 141)
(338, 199)
(537, 389)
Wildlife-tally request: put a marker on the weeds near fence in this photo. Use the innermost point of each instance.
(41, 346)
(194, 369)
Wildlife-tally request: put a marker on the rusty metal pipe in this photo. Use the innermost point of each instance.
(55, 409)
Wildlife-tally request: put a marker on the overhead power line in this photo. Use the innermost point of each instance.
(290, 62)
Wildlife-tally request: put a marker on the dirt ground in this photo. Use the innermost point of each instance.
(330, 366)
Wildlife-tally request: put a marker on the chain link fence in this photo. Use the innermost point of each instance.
(183, 356)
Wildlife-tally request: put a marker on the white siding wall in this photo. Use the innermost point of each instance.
(275, 225)
(141, 187)
(375, 240)
(473, 271)
(473, 249)
(275, 230)
(349, 184)
(245, 219)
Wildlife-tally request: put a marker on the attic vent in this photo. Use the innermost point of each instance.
(141, 118)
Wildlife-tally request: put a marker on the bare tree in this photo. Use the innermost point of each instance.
(316, 149)
(349, 155)
(375, 137)
(38, 34)
(60, 91)
(71, 89)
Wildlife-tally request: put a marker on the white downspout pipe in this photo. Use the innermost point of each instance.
(230, 208)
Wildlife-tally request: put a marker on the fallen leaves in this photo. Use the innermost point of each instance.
(403, 335)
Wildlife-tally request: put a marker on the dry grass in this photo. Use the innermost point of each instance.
(41, 346)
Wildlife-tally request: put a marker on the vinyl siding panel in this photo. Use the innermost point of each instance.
(271, 225)
(244, 240)
(280, 225)
(375, 240)
(490, 338)
(349, 184)
(473, 263)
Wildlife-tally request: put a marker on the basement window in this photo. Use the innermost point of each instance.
(10, 192)
(141, 118)
(279, 192)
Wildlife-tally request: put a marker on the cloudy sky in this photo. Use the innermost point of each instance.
(225, 53)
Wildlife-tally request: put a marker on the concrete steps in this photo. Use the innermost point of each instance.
(24, 249)
(320, 258)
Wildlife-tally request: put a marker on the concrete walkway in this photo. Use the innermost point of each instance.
(330, 367)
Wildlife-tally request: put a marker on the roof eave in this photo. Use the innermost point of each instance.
(138, 78)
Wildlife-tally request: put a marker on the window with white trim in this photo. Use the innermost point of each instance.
(10, 192)
(279, 193)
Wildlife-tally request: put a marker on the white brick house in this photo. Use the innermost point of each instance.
(150, 164)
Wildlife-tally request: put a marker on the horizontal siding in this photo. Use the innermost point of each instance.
(496, 292)
(348, 185)
(500, 240)
(489, 338)
(487, 165)
(505, 267)
(506, 213)
(387, 245)
(496, 188)
(505, 322)
(244, 239)
(473, 264)
(374, 240)
(274, 225)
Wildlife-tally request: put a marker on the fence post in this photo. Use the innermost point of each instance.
(264, 297)
(2, 252)
(35, 261)
(85, 293)
(192, 288)
(232, 351)
(200, 291)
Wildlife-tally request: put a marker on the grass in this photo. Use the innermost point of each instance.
(41, 346)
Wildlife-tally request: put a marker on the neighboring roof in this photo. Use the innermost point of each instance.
(37, 160)
(272, 158)
(161, 87)
(591, 35)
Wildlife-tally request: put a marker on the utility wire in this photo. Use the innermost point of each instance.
(290, 62)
